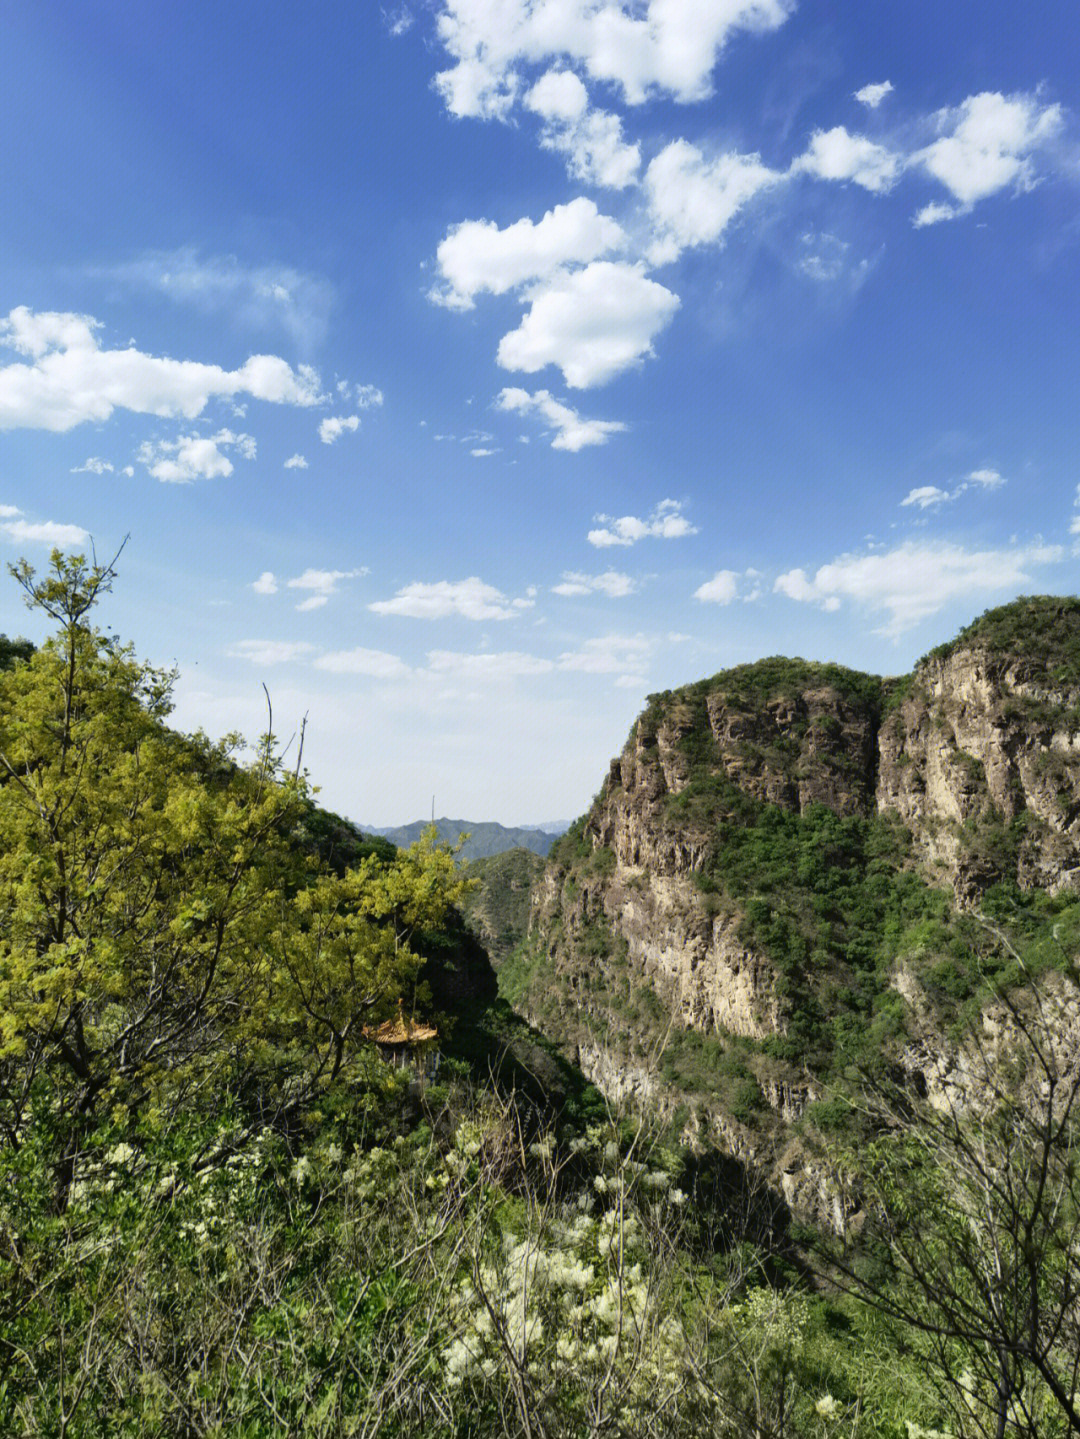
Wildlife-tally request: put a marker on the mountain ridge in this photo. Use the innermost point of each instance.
(485, 837)
(792, 872)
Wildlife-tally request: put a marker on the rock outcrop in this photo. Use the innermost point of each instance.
(651, 958)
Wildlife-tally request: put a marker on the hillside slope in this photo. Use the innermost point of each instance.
(793, 872)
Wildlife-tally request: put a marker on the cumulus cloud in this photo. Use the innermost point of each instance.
(93, 466)
(985, 145)
(592, 324)
(571, 432)
(266, 584)
(296, 462)
(693, 200)
(610, 583)
(334, 426)
(70, 380)
(477, 257)
(47, 532)
(667, 522)
(321, 584)
(469, 599)
(194, 457)
(666, 47)
(916, 579)
(262, 297)
(872, 95)
(838, 155)
(728, 585)
(376, 664)
(269, 652)
(721, 589)
(591, 140)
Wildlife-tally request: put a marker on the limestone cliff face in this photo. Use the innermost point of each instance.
(984, 737)
(642, 949)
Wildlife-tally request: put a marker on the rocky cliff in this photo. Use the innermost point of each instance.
(786, 874)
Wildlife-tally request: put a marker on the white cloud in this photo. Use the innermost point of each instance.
(482, 454)
(989, 479)
(931, 497)
(825, 259)
(94, 466)
(194, 457)
(494, 665)
(469, 599)
(571, 431)
(7, 511)
(916, 579)
(610, 583)
(268, 652)
(664, 47)
(872, 95)
(47, 532)
(366, 397)
(377, 664)
(986, 145)
(934, 213)
(71, 380)
(321, 584)
(838, 155)
(592, 324)
(610, 654)
(334, 426)
(667, 522)
(692, 200)
(592, 140)
(266, 584)
(399, 21)
(927, 497)
(728, 585)
(558, 96)
(264, 297)
(296, 462)
(477, 257)
(721, 589)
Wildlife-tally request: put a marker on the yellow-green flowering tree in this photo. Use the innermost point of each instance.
(161, 931)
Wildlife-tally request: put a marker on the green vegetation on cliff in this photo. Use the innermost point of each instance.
(1041, 631)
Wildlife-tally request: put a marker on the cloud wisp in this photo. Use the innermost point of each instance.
(570, 431)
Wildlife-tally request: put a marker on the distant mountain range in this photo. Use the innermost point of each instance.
(485, 837)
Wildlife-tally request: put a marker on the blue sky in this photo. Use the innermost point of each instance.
(467, 370)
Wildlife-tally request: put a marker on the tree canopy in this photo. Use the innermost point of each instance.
(163, 924)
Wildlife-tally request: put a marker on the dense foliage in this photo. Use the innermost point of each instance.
(1043, 631)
